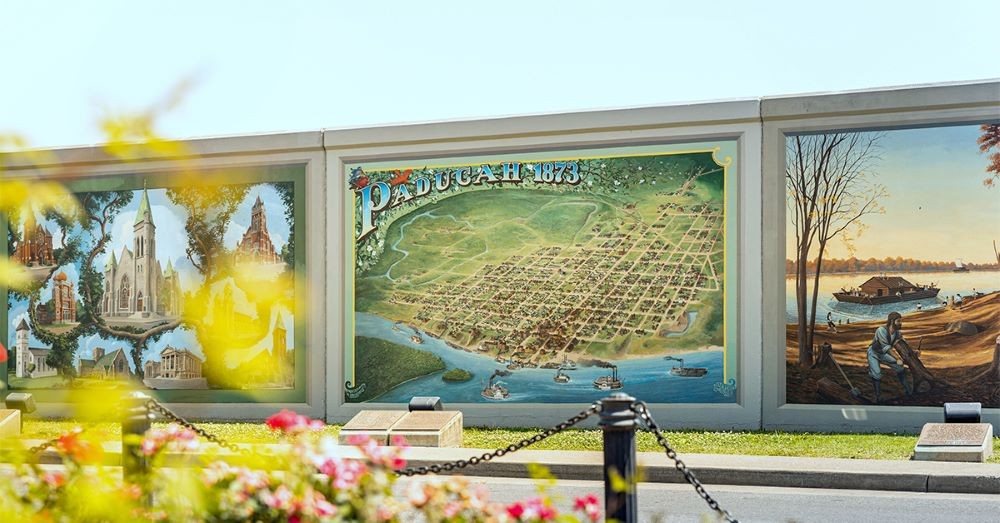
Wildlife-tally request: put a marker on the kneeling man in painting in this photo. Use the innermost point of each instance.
(885, 340)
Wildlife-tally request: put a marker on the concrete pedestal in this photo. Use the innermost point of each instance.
(10, 423)
(955, 442)
(372, 423)
(420, 428)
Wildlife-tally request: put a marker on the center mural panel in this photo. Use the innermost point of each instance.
(544, 277)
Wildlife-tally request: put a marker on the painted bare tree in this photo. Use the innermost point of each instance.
(830, 189)
(990, 139)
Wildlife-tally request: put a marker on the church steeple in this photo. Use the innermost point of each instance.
(145, 268)
(144, 213)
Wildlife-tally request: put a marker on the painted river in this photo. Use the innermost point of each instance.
(950, 283)
(646, 378)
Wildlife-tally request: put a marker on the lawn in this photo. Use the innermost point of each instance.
(858, 446)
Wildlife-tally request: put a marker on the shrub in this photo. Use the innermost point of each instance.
(316, 482)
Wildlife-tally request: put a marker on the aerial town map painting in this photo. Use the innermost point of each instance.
(893, 268)
(546, 277)
(183, 289)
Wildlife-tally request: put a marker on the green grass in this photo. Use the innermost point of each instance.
(856, 446)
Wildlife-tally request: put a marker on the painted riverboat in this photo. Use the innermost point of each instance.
(685, 372)
(886, 289)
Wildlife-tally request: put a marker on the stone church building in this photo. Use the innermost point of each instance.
(30, 360)
(256, 245)
(35, 247)
(134, 283)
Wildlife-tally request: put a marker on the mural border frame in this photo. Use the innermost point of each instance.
(737, 120)
(276, 150)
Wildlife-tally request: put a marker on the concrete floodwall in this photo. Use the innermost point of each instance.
(522, 267)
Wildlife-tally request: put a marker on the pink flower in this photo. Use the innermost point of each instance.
(358, 440)
(174, 435)
(589, 505)
(132, 491)
(452, 509)
(291, 423)
(399, 442)
(384, 513)
(323, 507)
(389, 457)
(54, 479)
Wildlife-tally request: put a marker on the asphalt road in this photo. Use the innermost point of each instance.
(679, 503)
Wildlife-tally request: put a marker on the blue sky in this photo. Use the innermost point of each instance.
(261, 66)
(937, 208)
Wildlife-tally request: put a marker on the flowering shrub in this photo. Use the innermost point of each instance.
(315, 480)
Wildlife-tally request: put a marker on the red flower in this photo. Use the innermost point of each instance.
(516, 510)
(582, 502)
(290, 422)
(77, 449)
(589, 505)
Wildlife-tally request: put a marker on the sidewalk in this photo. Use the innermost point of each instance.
(711, 469)
(720, 469)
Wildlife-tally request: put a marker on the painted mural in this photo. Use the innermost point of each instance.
(893, 273)
(544, 277)
(181, 289)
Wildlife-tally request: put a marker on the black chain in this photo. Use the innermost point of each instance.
(642, 411)
(156, 406)
(514, 447)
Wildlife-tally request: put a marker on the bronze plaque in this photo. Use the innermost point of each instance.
(374, 420)
(953, 434)
(425, 420)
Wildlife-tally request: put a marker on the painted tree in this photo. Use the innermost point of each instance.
(209, 209)
(830, 189)
(990, 139)
(62, 343)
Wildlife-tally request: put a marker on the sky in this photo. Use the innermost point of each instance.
(937, 208)
(264, 66)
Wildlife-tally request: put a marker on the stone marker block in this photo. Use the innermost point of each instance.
(954, 442)
(430, 428)
(10, 423)
(372, 423)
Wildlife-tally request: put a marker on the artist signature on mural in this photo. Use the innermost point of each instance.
(727, 389)
(354, 392)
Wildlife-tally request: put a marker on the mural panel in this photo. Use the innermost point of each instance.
(545, 277)
(893, 275)
(186, 288)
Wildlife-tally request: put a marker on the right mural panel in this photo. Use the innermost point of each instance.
(892, 271)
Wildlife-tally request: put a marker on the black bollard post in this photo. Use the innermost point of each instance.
(136, 420)
(618, 423)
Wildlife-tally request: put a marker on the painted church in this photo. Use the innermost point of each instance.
(135, 285)
(30, 360)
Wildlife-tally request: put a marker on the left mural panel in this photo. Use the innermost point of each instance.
(188, 290)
